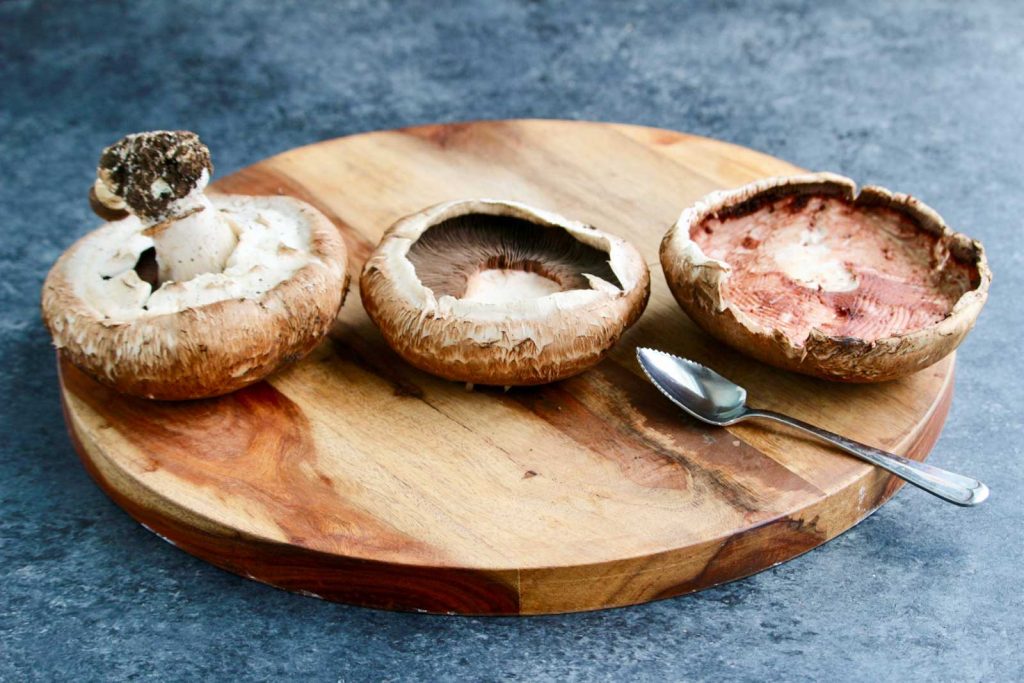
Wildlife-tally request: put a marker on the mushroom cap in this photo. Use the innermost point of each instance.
(151, 172)
(837, 307)
(514, 341)
(206, 349)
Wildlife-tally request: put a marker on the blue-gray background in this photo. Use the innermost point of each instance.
(922, 97)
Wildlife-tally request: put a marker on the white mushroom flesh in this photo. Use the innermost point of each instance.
(811, 263)
(201, 241)
(271, 245)
(501, 286)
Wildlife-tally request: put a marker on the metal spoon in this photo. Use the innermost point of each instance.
(709, 397)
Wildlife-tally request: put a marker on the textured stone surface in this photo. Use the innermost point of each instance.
(922, 97)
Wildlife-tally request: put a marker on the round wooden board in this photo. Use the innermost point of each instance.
(354, 477)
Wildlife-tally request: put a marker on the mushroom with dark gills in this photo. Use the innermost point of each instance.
(499, 293)
(809, 275)
(187, 294)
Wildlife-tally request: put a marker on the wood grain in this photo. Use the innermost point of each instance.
(357, 478)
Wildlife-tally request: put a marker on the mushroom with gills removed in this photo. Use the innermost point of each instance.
(498, 293)
(188, 295)
(809, 275)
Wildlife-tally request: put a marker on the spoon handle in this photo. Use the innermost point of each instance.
(947, 485)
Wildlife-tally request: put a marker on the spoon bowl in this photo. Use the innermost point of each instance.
(697, 389)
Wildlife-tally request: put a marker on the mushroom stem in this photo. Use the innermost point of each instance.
(200, 242)
(159, 177)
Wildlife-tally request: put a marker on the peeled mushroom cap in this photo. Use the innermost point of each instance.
(202, 350)
(499, 338)
(703, 284)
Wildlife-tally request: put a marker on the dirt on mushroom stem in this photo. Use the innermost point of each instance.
(161, 177)
(150, 172)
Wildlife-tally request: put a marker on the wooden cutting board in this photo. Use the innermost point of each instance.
(354, 477)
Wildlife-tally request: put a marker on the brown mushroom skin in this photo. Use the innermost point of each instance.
(450, 348)
(208, 350)
(463, 360)
(697, 289)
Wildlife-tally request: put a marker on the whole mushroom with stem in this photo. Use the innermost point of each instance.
(185, 294)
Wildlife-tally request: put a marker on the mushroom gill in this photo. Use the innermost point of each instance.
(494, 292)
(805, 262)
(500, 258)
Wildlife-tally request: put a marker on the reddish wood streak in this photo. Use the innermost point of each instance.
(752, 551)
(288, 566)
(666, 137)
(254, 443)
(442, 134)
(330, 577)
